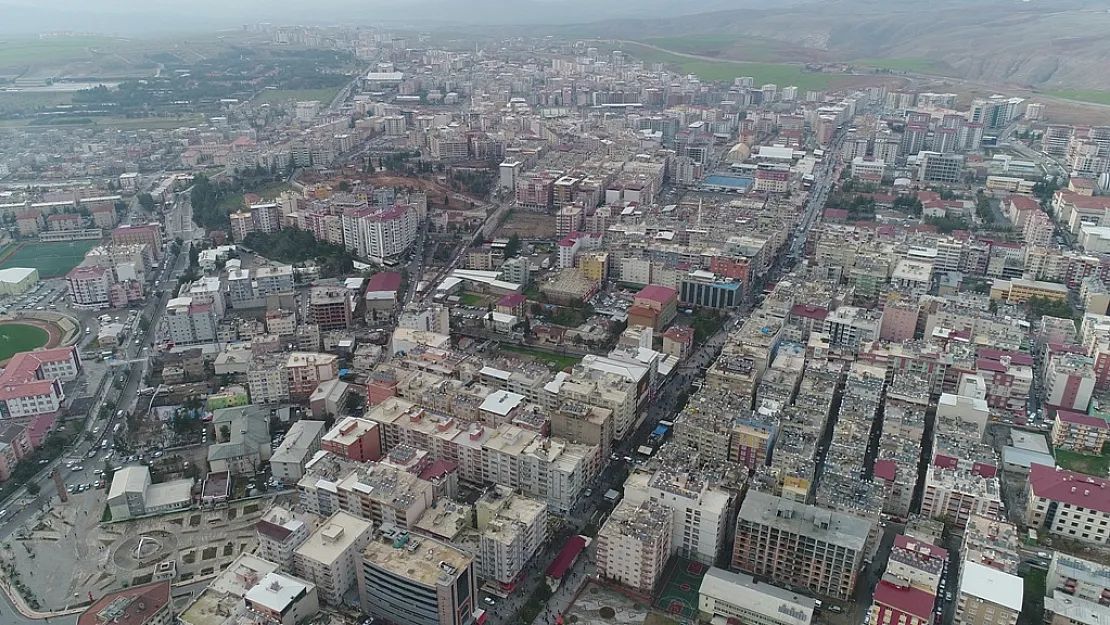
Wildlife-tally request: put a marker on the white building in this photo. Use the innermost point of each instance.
(634, 544)
(185, 322)
(513, 528)
(279, 534)
(738, 596)
(88, 287)
(132, 494)
(1068, 504)
(332, 556)
(700, 511)
(283, 599)
(301, 442)
(988, 596)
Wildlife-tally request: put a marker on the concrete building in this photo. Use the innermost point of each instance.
(354, 438)
(800, 545)
(331, 557)
(736, 596)
(132, 494)
(279, 534)
(895, 602)
(513, 528)
(700, 510)
(330, 308)
(634, 544)
(988, 596)
(242, 440)
(1068, 504)
(1079, 432)
(417, 581)
(283, 599)
(301, 442)
(141, 605)
(916, 563)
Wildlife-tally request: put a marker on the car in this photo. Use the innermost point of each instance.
(948, 596)
(78, 469)
(1044, 554)
(91, 454)
(835, 609)
(489, 601)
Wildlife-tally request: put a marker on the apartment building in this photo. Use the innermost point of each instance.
(279, 535)
(956, 494)
(513, 528)
(991, 542)
(417, 581)
(306, 370)
(88, 287)
(901, 603)
(1069, 381)
(187, 322)
(331, 557)
(301, 443)
(151, 234)
(634, 544)
(330, 308)
(375, 492)
(354, 438)
(141, 605)
(1077, 591)
(700, 508)
(988, 596)
(1081, 433)
(283, 599)
(736, 596)
(1068, 504)
(800, 545)
(916, 563)
(15, 445)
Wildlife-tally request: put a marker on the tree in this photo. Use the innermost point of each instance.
(225, 432)
(512, 248)
(147, 202)
(33, 488)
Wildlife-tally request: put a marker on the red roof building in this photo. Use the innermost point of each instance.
(512, 304)
(654, 307)
(141, 605)
(1069, 504)
(1081, 433)
(904, 605)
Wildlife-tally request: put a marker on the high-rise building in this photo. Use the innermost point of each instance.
(512, 529)
(417, 581)
(279, 534)
(988, 596)
(331, 557)
(633, 545)
(800, 545)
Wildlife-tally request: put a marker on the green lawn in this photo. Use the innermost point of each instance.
(20, 101)
(1084, 95)
(470, 299)
(1090, 465)
(18, 337)
(277, 96)
(781, 74)
(128, 123)
(555, 362)
(15, 52)
(51, 259)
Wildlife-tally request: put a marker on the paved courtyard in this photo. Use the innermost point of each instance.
(65, 554)
(598, 605)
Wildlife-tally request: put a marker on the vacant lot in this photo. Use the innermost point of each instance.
(781, 74)
(22, 52)
(1085, 95)
(1090, 465)
(555, 362)
(51, 259)
(527, 226)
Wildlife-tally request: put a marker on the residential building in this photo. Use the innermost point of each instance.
(1080, 433)
(957, 493)
(331, 557)
(302, 441)
(739, 597)
(1068, 504)
(634, 544)
(354, 438)
(330, 308)
(897, 602)
(700, 508)
(242, 443)
(15, 445)
(187, 322)
(988, 596)
(654, 307)
(800, 545)
(417, 581)
(279, 534)
(916, 563)
(1069, 382)
(513, 528)
(283, 599)
(89, 286)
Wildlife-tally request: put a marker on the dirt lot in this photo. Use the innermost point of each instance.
(1057, 111)
(527, 226)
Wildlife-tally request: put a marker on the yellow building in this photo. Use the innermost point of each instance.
(594, 266)
(17, 280)
(1017, 291)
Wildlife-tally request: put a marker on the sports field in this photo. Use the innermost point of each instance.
(51, 259)
(678, 590)
(20, 337)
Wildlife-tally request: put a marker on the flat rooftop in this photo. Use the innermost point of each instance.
(423, 565)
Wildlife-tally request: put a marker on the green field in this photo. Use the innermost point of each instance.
(38, 50)
(555, 362)
(277, 96)
(126, 123)
(51, 259)
(1083, 95)
(755, 49)
(1090, 465)
(18, 101)
(919, 66)
(19, 337)
(781, 74)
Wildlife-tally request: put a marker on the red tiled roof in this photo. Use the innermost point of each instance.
(901, 541)
(1077, 489)
(568, 242)
(1024, 203)
(145, 601)
(384, 281)
(886, 469)
(990, 365)
(562, 562)
(682, 334)
(998, 354)
(1078, 418)
(809, 312)
(906, 599)
(273, 530)
(512, 300)
(657, 293)
(1085, 201)
(437, 469)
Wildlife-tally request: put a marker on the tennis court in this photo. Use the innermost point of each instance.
(51, 259)
(678, 590)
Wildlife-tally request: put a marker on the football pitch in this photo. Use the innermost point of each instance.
(51, 259)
